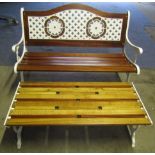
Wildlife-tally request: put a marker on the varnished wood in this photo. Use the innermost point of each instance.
(73, 105)
(73, 54)
(77, 84)
(42, 61)
(76, 103)
(77, 68)
(82, 96)
(74, 113)
(87, 90)
(78, 121)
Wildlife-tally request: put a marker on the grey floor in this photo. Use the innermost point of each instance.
(71, 138)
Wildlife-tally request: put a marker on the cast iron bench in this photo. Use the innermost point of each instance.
(75, 25)
(75, 103)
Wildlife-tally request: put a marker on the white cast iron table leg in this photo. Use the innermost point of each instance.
(132, 132)
(18, 131)
(22, 76)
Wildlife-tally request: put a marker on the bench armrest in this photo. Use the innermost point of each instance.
(136, 49)
(15, 47)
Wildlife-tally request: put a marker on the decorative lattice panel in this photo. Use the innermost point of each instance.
(75, 24)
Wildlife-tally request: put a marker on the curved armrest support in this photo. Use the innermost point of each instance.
(138, 49)
(133, 62)
(16, 46)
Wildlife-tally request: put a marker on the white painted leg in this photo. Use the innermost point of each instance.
(128, 76)
(22, 76)
(18, 131)
(132, 132)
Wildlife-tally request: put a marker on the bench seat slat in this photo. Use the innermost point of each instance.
(73, 54)
(37, 61)
(92, 59)
(77, 84)
(72, 68)
(77, 107)
(78, 121)
(76, 96)
(49, 89)
(78, 63)
(104, 112)
(75, 104)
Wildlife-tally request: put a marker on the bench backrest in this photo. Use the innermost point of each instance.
(75, 25)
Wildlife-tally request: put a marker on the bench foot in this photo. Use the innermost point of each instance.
(18, 131)
(128, 76)
(22, 76)
(132, 132)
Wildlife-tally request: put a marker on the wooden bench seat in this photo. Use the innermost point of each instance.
(45, 61)
(76, 103)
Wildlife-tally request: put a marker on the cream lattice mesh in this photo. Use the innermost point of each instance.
(75, 22)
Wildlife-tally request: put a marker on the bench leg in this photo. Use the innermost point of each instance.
(22, 76)
(128, 76)
(132, 132)
(18, 131)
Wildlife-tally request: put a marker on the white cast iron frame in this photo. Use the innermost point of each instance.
(133, 128)
(137, 50)
(18, 131)
(132, 132)
(15, 48)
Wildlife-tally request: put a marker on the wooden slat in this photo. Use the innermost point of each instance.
(77, 96)
(49, 89)
(96, 91)
(75, 104)
(77, 68)
(105, 112)
(73, 54)
(76, 59)
(75, 63)
(71, 60)
(78, 121)
(42, 61)
(77, 84)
